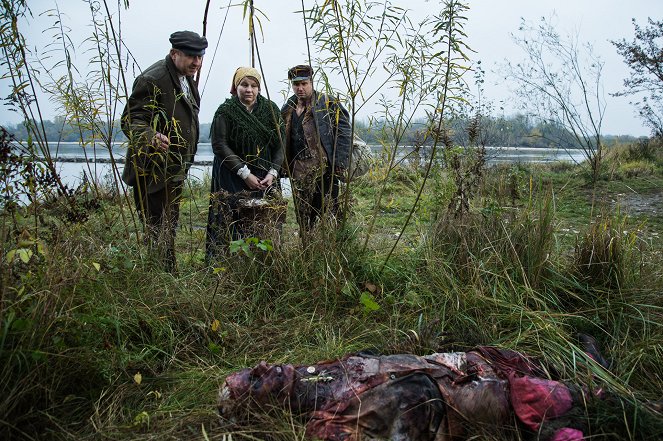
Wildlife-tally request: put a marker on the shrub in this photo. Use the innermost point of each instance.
(637, 168)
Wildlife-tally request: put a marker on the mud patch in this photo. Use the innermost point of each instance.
(640, 204)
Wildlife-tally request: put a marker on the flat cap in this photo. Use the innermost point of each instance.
(300, 72)
(188, 42)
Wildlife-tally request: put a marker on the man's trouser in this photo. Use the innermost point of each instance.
(315, 200)
(159, 211)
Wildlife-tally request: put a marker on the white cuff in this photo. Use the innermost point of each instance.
(244, 172)
(273, 173)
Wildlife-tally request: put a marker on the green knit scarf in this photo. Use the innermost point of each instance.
(250, 135)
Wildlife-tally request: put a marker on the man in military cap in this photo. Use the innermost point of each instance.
(160, 121)
(318, 142)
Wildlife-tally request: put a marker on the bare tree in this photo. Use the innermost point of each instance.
(560, 83)
(644, 56)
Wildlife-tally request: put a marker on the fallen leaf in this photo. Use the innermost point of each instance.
(138, 378)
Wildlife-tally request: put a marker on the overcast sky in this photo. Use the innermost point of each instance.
(147, 24)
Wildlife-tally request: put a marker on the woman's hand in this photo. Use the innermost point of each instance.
(254, 183)
(268, 181)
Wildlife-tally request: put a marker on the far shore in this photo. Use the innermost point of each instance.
(119, 160)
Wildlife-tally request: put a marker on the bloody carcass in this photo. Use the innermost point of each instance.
(412, 398)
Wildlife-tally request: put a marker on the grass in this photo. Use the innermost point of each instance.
(96, 342)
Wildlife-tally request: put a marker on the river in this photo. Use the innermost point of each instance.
(71, 163)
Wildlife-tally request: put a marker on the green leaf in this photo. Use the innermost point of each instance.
(265, 245)
(38, 356)
(24, 254)
(21, 324)
(236, 245)
(213, 347)
(142, 418)
(59, 342)
(369, 302)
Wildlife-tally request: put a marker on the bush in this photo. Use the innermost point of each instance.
(636, 169)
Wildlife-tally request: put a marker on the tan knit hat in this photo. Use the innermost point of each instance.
(243, 72)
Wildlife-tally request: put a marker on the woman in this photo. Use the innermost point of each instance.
(247, 140)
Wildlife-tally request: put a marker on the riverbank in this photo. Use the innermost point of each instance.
(99, 342)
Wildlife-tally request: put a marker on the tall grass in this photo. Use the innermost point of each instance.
(74, 341)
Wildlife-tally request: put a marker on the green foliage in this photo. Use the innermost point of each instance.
(639, 159)
(246, 246)
(368, 301)
(637, 169)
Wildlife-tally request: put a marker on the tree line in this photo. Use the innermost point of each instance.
(513, 131)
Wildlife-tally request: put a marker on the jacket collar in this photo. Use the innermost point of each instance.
(175, 77)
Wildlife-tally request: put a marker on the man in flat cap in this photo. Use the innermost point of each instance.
(160, 121)
(318, 142)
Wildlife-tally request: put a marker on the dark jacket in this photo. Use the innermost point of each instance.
(229, 156)
(333, 122)
(157, 104)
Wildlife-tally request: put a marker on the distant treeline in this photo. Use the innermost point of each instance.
(513, 131)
